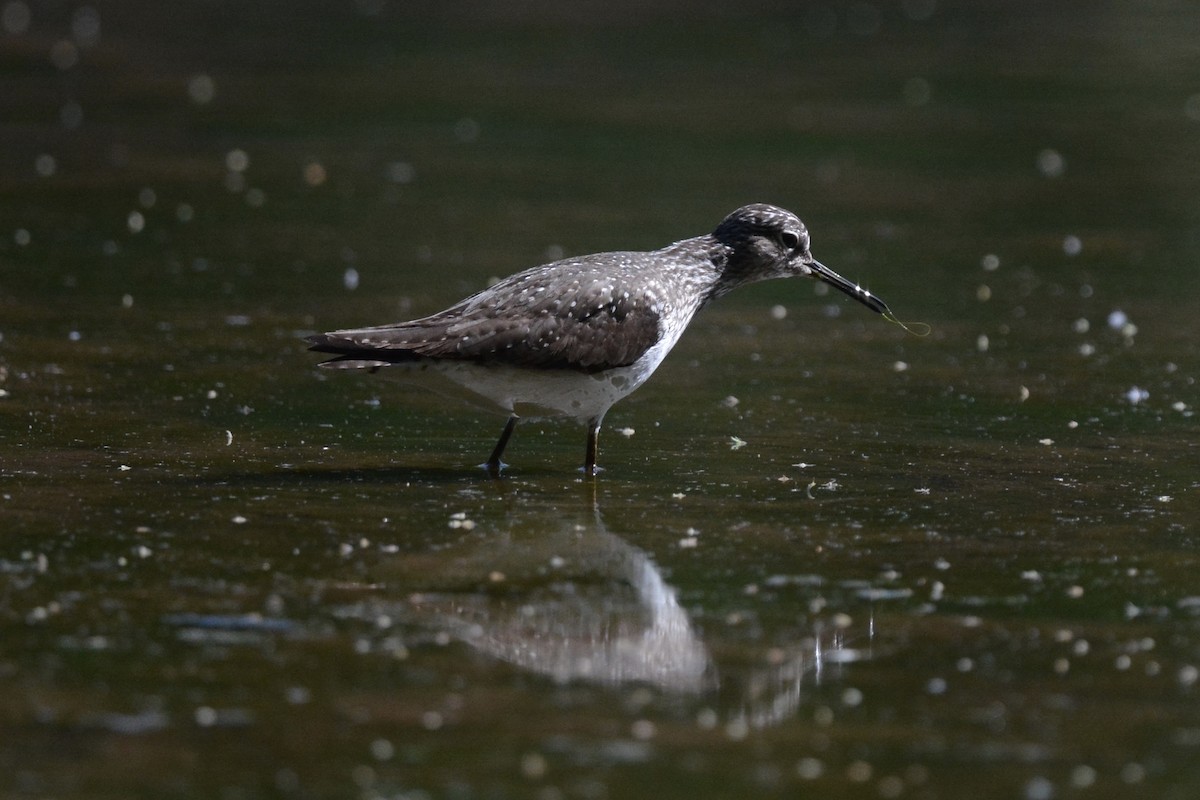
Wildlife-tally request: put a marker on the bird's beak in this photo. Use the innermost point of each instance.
(860, 294)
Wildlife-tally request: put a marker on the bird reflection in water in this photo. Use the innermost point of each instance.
(575, 603)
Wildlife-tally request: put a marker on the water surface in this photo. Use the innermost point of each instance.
(826, 557)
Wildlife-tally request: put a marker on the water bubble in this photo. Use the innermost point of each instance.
(201, 89)
(1039, 789)
(314, 173)
(45, 165)
(1137, 395)
(237, 160)
(15, 18)
(1051, 163)
(466, 130)
(85, 26)
(400, 172)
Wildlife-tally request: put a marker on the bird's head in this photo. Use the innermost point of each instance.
(764, 241)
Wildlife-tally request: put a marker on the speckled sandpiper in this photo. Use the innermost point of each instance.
(573, 337)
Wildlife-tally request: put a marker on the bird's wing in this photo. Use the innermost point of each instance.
(573, 314)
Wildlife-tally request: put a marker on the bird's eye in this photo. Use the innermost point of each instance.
(790, 239)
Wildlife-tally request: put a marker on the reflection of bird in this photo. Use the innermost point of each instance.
(573, 337)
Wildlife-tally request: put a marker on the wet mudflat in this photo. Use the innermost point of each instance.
(825, 557)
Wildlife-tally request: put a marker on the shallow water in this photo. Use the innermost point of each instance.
(825, 556)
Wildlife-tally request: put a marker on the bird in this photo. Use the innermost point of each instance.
(572, 337)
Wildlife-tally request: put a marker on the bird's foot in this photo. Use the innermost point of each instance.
(493, 468)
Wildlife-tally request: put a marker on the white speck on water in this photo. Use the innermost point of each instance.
(990, 262)
(237, 160)
(1117, 319)
(1072, 245)
(201, 89)
(982, 343)
(1137, 395)
(1188, 675)
(1046, 441)
(626, 432)
(1039, 788)
(779, 312)
(730, 402)
(1051, 163)
(459, 520)
(15, 17)
(1081, 325)
(1024, 394)
(1133, 772)
(350, 279)
(314, 173)
(400, 172)
(900, 366)
(467, 130)
(533, 766)
(735, 443)
(136, 222)
(45, 165)
(983, 293)
(239, 520)
(1083, 776)
(21, 237)
(809, 768)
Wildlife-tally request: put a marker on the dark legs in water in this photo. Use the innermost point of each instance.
(589, 461)
(494, 464)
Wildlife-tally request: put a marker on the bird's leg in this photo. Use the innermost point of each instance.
(589, 462)
(494, 464)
